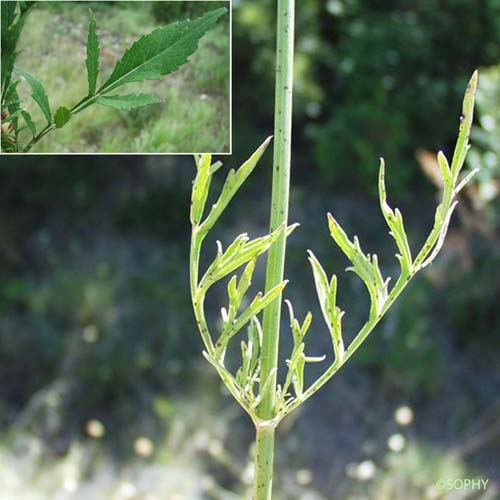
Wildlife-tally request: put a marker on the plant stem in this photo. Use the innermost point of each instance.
(42, 134)
(276, 257)
(84, 103)
(264, 457)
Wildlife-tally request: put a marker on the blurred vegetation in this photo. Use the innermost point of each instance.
(97, 341)
(485, 156)
(194, 115)
(374, 78)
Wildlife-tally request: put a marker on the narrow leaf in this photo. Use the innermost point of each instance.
(12, 26)
(444, 167)
(13, 104)
(394, 220)
(241, 251)
(129, 101)
(92, 60)
(62, 116)
(259, 303)
(29, 122)
(266, 388)
(215, 166)
(441, 236)
(255, 341)
(465, 126)
(298, 331)
(322, 288)
(8, 16)
(327, 295)
(160, 52)
(201, 187)
(234, 181)
(443, 212)
(38, 95)
(297, 355)
(298, 379)
(465, 181)
(362, 265)
(246, 278)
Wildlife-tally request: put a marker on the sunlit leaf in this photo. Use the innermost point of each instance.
(160, 52)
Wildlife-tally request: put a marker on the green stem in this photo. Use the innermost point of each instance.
(194, 259)
(41, 134)
(84, 103)
(264, 456)
(279, 200)
(276, 257)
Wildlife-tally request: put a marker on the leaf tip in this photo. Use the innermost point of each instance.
(290, 229)
(381, 172)
(331, 218)
(473, 81)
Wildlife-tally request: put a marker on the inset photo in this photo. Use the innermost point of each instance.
(112, 77)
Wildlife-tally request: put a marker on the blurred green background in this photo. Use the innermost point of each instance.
(105, 393)
(194, 115)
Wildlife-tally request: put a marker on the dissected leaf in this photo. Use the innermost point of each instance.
(62, 116)
(465, 126)
(298, 331)
(92, 60)
(128, 101)
(259, 303)
(201, 186)
(327, 295)
(160, 52)
(394, 220)
(450, 175)
(365, 266)
(236, 290)
(38, 95)
(241, 251)
(322, 286)
(234, 181)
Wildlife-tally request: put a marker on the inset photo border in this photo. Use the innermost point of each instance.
(116, 77)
